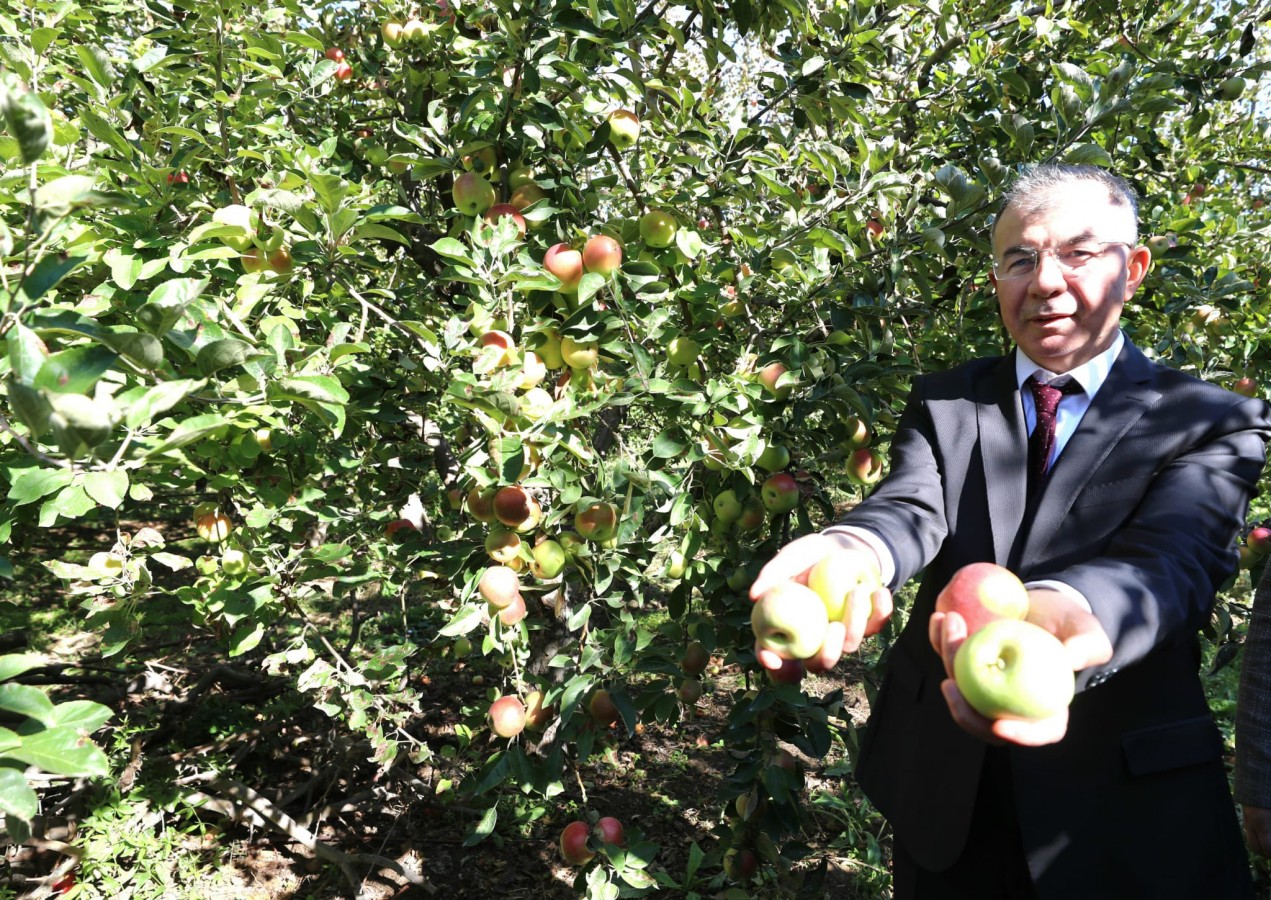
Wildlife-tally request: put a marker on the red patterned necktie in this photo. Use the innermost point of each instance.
(1046, 398)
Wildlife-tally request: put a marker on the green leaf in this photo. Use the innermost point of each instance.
(51, 269)
(670, 444)
(191, 430)
(97, 63)
(320, 388)
(484, 828)
(75, 371)
(14, 664)
(465, 620)
(167, 302)
(26, 353)
(26, 701)
(331, 190)
(67, 192)
(453, 250)
(28, 485)
(107, 488)
(223, 354)
(16, 797)
(62, 751)
(159, 399)
(30, 124)
(84, 715)
(31, 406)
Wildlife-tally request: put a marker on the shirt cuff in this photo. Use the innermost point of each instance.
(861, 539)
(1066, 589)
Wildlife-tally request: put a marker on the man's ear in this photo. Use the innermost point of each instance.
(1137, 267)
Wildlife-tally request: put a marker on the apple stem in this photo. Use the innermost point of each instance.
(581, 786)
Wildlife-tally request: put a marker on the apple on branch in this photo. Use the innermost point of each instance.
(657, 228)
(473, 194)
(983, 592)
(507, 717)
(780, 493)
(624, 129)
(602, 255)
(865, 466)
(1014, 669)
(566, 264)
(1259, 539)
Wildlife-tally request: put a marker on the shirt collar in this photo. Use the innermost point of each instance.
(1090, 375)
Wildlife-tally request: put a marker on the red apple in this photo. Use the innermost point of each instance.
(741, 864)
(864, 466)
(1246, 386)
(791, 672)
(597, 521)
(391, 529)
(504, 342)
(507, 717)
(499, 210)
(573, 844)
(1259, 539)
(602, 255)
(514, 612)
(610, 831)
(566, 264)
(472, 194)
(983, 592)
(335, 54)
(780, 493)
(769, 375)
(343, 71)
(503, 545)
(178, 178)
(690, 691)
(499, 585)
(481, 503)
(516, 509)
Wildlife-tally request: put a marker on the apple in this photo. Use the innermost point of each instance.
(536, 714)
(602, 709)
(481, 503)
(392, 32)
(414, 31)
(597, 521)
(253, 260)
(536, 404)
(499, 586)
(241, 218)
(774, 458)
(780, 493)
(657, 228)
(676, 564)
(343, 71)
(741, 864)
(178, 178)
(690, 691)
(602, 255)
(212, 525)
(234, 561)
(566, 264)
(527, 195)
(983, 592)
(875, 227)
(520, 175)
(1259, 539)
(610, 831)
(335, 54)
(514, 612)
(501, 210)
(461, 647)
(790, 620)
(769, 375)
(483, 160)
(864, 466)
(695, 658)
(391, 529)
(727, 506)
(1246, 387)
(1158, 244)
(516, 509)
(472, 194)
(1014, 669)
(549, 350)
(753, 514)
(503, 341)
(837, 576)
(503, 545)
(579, 354)
(1231, 88)
(573, 844)
(280, 261)
(549, 559)
(682, 352)
(533, 371)
(624, 128)
(264, 439)
(858, 433)
(507, 717)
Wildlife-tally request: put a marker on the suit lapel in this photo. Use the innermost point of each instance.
(1004, 453)
(1125, 396)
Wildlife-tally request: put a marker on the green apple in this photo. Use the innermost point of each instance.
(624, 128)
(858, 433)
(774, 458)
(682, 352)
(727, 506)
(234, 561)
(392, 32)
(769, 375)
(597, 521)
(1232, 88)
(549, 559)
(527, 195)
(838, 576)
(657, 228)
(790, 620)
(1014, 669)
(472, 194)
(983, 592)
(579, 354)
(675, 565)
(240, 218)
(549, 350)
(780, 493)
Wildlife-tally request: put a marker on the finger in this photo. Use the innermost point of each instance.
(859, 607)
(1088, 648)
(880, 611)
(834, 646)
(1033, 733)
(934, 630)
(768, 659)
(953, 632)
(967, 718)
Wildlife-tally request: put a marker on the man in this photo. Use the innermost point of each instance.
(1253, 723)
(1122, 541)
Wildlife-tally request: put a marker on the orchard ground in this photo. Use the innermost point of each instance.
(200, 719)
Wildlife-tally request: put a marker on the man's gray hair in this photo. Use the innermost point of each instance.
(1035, 188)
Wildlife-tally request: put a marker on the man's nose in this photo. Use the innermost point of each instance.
(1050, 276)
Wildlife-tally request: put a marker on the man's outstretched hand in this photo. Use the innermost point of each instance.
(1083, 637)
(866, 612)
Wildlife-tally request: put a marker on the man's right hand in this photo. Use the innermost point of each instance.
(866, 614)
(1258, 830)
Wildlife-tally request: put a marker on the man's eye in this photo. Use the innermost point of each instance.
(1079, 255)
(1018, 264)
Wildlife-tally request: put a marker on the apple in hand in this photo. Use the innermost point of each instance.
(1014, 669)
(983, 592)
(507, 717)
(780, 493)
(838, 576)
(790, 620)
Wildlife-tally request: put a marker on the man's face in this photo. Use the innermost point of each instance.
(1062, 318)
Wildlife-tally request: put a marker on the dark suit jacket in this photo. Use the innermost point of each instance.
(1253, 708)
(1140, 514)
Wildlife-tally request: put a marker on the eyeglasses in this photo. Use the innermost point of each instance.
(1022, 262)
